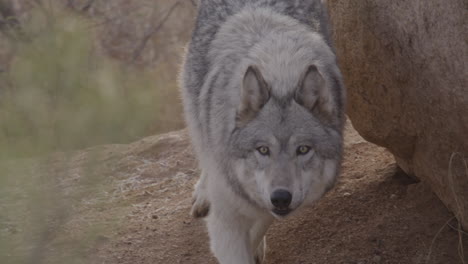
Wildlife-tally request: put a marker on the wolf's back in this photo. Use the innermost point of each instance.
(213, 13)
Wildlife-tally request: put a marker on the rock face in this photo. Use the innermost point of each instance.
(405, 67)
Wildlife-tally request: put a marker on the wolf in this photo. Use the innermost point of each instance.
(264, 103)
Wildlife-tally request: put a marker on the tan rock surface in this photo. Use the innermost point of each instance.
(405, 67)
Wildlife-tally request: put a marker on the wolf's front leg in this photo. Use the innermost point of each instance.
(200, 203)
(257, 238)
(229, 239)
(260, 253)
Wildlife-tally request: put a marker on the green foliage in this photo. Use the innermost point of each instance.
(64, 95)
(59, 94)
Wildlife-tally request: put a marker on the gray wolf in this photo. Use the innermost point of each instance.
(263, 100)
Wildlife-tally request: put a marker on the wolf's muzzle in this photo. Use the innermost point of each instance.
(281, 199)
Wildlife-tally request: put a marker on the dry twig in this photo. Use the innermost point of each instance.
(152, 31)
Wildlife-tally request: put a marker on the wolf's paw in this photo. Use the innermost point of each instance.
(200, 206)
(258, 260)
(260, 252)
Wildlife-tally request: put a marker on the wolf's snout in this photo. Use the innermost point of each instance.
(281, 199)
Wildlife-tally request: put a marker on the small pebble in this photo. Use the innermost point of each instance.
(377, 259)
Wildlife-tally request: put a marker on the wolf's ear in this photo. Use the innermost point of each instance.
(310, 86)
(312, 91)
(254, 95)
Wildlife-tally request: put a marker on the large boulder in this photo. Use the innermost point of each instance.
(405, 67)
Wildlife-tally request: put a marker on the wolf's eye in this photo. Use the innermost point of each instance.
(302, 150)
(265, 151)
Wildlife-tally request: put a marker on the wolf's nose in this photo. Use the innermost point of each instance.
(281, 199)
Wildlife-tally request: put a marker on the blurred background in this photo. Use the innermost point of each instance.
(88, 174)
(76, 74)
(104, 71)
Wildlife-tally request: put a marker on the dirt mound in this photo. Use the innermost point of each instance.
(374, 215)
(138, 212)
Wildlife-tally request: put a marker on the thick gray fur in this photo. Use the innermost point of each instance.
(260, 73)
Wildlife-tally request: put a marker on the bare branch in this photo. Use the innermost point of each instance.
(84, 8)
(8, 18)
(87, 6)
(70, 4)
(150, 33)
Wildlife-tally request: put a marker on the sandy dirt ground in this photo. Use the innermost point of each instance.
(376, 214)
(140, 214)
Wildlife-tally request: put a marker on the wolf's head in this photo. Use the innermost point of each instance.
(287, 148)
